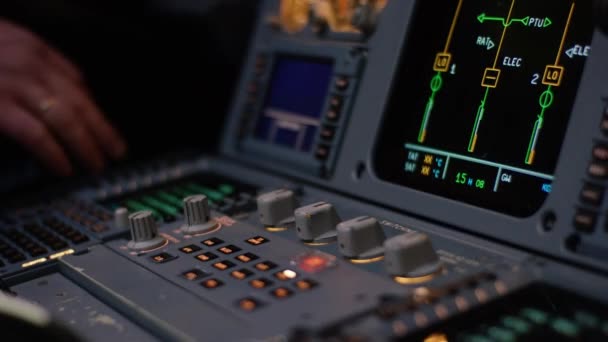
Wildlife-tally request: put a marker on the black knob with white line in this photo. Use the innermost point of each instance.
(361, 238)
(276, 207)
(410, 255)
(144, 232)
(197, 215)
(317, 222)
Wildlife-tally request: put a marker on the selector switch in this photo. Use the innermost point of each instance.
(410, 255)
(317, 222)
(276, 207)
(197, 216)
(361, 238)
(144, 232)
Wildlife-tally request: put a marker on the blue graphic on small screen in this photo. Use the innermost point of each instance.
(292, 111)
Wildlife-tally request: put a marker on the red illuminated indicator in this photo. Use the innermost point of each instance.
(313, 263)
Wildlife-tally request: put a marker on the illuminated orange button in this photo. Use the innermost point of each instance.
(212, 242)
(194, 275)
(260, 283)
(223, 265)
(162, 257)
(212, 283)
(241, 274)
(285, 275)
(265, 266)
(247, 257)
(206, 256)
(229, 249)
(257, 240)
(306, 284)
(249, 304)
(281, 292)
(190, 249)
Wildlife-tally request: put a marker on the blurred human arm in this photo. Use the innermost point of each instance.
(45, 105)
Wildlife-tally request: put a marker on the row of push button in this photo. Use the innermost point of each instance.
(332, 118)
(592, 194)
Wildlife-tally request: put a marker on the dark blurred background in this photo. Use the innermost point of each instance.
(163, 71)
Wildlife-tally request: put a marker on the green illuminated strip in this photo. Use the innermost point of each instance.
(212, 194)
(478, 161)
(153, 202)
(167, 197)
(182, 191)
(133, 205)
(227, 189)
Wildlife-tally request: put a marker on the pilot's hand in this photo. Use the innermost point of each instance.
(45, 105)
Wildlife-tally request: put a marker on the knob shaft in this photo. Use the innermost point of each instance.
(197, 215)
(276, 207)
(410, 255)
(317, 222)
(144, 232)
(361, 238)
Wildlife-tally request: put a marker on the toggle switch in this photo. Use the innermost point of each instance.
(410, 255)
(197, 216)
(276, 207)
(361, 238)
(144, 232)
(317, 222)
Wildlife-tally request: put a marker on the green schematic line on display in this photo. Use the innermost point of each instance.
(503, 167)
(441, 65)
(436, 84)
(482, 18)
(490, 78)
(553, 77)
(480, 111)
(545, 101)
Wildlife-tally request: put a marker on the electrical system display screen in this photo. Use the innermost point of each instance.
(292, 110)
(482, 100)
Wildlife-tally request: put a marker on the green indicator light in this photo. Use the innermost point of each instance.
(212, 194)
(227, 189)
(134, 205)
(587, 319)
(167, 197)
(534, 315)
(517, 324)
(153, 202)
(183, 192)
(500, 334)
(565, 327)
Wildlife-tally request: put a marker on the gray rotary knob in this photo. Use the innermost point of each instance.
(317, 222)
(144, 232)
(121, 218)
(410, 255)
(276, 207)
(197, 216)
(361, 238)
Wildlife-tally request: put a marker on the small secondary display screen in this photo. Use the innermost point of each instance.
(292, 110)
(483, 98)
